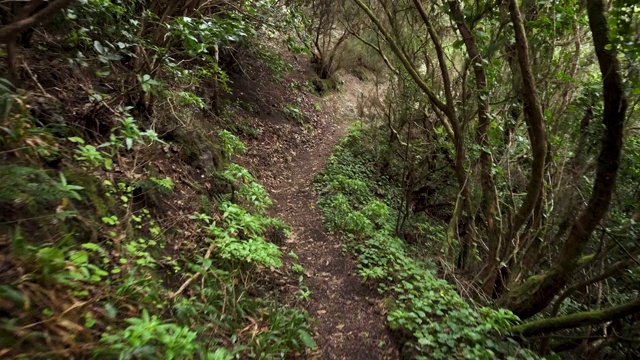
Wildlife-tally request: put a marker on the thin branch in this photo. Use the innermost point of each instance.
(10, 31)
(581, 319)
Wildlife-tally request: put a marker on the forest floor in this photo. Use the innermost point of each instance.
(349, 320)
(350, 324)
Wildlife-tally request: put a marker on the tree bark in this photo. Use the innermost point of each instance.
(586, 318)
(490, 197)
(534, 119)
(535, 124)
(9, 31)
(536, 293)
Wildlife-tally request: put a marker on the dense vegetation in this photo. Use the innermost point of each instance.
(127, 231)
(490, 190)
(508, 136)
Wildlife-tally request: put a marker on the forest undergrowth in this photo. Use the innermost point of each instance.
(432, 320)
(150, 152)
(127, 229)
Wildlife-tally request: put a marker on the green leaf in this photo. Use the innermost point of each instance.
(76, 139)
(206, 264)
(8, 292)
(63, 180)
(98, 46)
(307, 339)
(79, 257)
(108, 163)
(18, 243)
(110, 310)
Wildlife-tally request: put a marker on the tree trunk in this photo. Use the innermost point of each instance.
(12, 30)
(490, 197)
(586, 318)
(534, 118)
(536, 293)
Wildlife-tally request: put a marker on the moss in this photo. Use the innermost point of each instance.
(205, 205)
(200, 149)
(363, 74)
(586, 259)
(92, 193)
(324, 86)
(585, 318)
(520, 300)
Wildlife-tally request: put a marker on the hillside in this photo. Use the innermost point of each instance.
(319, 179)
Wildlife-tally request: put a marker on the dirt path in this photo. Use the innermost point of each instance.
(350, 324)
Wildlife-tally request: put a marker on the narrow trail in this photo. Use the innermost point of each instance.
(350, 324)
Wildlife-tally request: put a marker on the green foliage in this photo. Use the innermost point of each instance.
(90, 155)
(255, 196)
(148, 337)
(293, 113)
(17, 129)
(240, 238)
(34, 188)
(124, 136)
(166, 184)
(148, 84)
(120, 269)
(231, 145)
(94, 266)
(439, 323)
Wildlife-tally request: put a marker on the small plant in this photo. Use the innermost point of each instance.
(69, 189)
(296, 267)
(189, 98)
(235, 172)
(129, 131)
(166, 184)
(147, 83)
(110, 220)
(252, 249)
(147, 337)
(256, 196)
(90, 155)
(303, 291)
(293, 113)
(231, 145)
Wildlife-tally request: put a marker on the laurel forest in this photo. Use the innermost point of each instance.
(484, 179)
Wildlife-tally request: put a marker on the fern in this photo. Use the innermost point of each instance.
(30, 187)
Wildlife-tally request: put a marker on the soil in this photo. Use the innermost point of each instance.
(285, 157)
(351, 323)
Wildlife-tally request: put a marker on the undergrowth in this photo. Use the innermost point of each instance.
(117, 242)
(90, 268)
(427, 312)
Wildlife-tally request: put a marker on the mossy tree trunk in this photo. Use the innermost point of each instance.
(586, 318)
(535, 294)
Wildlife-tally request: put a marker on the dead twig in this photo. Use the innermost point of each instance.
(35, 80)
(192, 278)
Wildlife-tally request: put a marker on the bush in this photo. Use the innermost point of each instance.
(434, 320)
